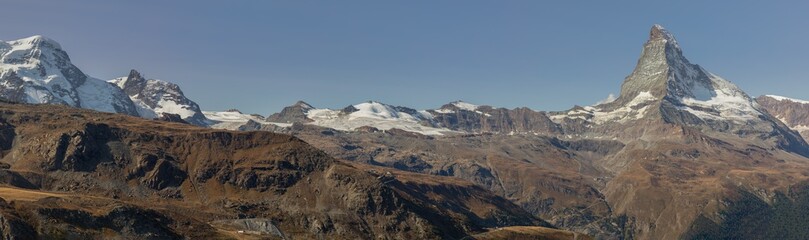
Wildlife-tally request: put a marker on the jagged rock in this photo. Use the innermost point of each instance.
(292, 114)
(12, 226)
(154, 98)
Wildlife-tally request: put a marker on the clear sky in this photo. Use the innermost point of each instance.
(259, 56)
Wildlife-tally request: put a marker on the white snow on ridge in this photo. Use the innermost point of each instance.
(728, 102)
(373, 114)
(98, 95)
(461, 105)
(233, 120)
(781, 98)
(166, 106)
(465, 106)
(630, 111)
(40, 62)
(375, 110)
(164, 96)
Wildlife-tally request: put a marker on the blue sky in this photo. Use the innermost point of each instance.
(259, 56)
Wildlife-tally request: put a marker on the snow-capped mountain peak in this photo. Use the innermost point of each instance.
(465, 105)
(154, 97)
(37, 70)
(664, 81)
(658, 32)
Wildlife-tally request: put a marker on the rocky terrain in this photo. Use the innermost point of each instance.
(792, 112)
(72, 173)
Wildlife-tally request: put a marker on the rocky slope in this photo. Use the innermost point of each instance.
(551, 178)
(38, 70)
(465, 117)
(154, 97)
(793, 112)
(82, 174)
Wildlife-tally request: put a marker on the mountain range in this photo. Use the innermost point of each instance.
(680, 153)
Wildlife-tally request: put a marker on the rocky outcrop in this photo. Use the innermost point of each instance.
(292, 114)
(12, 226)
(494, 120)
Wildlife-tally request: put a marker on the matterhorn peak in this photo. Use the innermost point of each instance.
(658, 32)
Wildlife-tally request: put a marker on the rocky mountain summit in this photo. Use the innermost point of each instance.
(154, 97)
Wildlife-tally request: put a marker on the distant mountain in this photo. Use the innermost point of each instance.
(154, 97)
(793, 112)
(454, 118)
(295, 113)
(665, 88)
(37, 70)
(368, 114)
(465, 117)
(234, 119)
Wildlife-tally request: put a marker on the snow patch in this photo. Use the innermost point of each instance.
(466, 106)
(233, 120)
(374, 114)
(635, 109)
(781, 98)
(727, 102)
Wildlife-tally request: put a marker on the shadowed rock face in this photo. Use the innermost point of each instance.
(794, 113)
(167, 177)
(494, 120)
